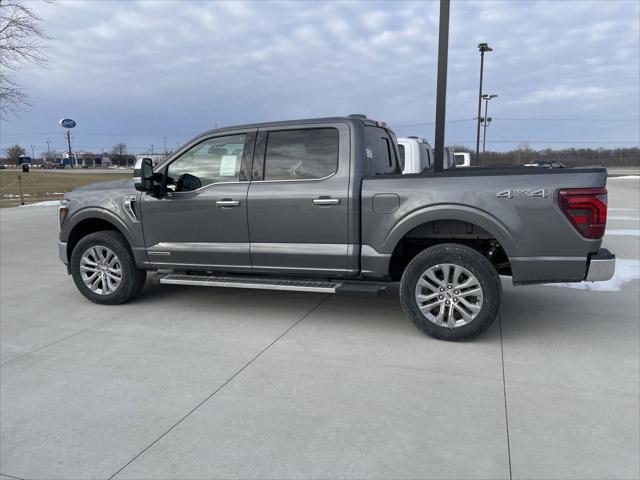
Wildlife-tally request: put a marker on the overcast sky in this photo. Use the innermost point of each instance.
(567, 73)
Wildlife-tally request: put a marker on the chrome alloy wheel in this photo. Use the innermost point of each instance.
(449, 295)
(100, 270)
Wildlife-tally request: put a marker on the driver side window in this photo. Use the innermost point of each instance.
(212, 161)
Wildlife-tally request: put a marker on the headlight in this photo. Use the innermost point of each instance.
(62, 211)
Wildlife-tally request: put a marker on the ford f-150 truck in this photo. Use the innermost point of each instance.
(321, 205)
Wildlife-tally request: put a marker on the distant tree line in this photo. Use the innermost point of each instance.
(118, 155)
(613, 157)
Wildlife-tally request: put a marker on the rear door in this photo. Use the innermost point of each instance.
(298, 200)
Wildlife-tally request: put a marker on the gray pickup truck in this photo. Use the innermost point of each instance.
(321, 205)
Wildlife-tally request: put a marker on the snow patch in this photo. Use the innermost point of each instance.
(622, 231)
(621, 209)
(627, 270)
(614, 217)
(626, 177)
(47, 203)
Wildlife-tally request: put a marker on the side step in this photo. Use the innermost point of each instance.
(248, 282)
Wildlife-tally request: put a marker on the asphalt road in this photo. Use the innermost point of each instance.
(189, 382)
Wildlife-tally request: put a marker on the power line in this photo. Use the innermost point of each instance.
(432, 123)
(569, 119)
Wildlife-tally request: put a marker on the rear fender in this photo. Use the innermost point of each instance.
(450, 212)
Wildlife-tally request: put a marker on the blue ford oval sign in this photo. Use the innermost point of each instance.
(67, 123)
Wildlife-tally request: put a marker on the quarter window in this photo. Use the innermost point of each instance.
(379, 155)
(212, 161)
(301, 154)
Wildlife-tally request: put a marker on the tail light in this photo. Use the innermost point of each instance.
(586, 209)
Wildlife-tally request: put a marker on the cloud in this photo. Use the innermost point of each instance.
(565, 93)
(140, 71)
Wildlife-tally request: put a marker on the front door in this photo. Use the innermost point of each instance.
(200, 223)
(299, 200)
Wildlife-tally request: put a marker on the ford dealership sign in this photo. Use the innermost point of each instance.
(67, 123)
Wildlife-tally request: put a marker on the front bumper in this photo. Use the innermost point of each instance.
(602, 266)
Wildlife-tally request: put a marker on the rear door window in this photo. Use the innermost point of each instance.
(306, 154)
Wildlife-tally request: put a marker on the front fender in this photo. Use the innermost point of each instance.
(450, 212)
(89, 213)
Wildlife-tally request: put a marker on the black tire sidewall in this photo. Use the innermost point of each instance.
(465, 257)
(132, 277)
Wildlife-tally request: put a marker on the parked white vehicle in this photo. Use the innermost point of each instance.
(416, 155)
(463, 159)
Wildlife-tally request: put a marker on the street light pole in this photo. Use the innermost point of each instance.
(487, 120)
(48, 151)
(482, 47)
(33, 155)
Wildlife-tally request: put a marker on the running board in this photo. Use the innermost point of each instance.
(247, 282)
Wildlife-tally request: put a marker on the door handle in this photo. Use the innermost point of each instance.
(227, 203)
(326, 201)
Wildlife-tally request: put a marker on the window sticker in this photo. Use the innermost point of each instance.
(228, 165)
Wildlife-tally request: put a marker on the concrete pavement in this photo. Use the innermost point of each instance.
(188, 382)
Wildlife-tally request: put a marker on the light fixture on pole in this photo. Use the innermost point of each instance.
(482, 47)
(487, 120)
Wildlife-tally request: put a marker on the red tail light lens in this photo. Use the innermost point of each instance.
(586, 209)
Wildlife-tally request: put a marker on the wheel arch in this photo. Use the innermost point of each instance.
(89, 221)
(448, 224)
(460, 213)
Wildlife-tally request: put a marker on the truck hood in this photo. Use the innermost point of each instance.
(109, 185)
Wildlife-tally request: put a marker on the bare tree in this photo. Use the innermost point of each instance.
(14, 153)
(21, 36)
(119, 151)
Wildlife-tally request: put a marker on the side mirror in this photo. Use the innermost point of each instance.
(143, 175)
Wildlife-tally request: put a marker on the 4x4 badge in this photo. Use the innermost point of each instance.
(515, 193)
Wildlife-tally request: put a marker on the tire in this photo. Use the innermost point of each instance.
(424, 293)
(94, 255)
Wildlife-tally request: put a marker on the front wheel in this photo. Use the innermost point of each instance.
(451, 292)
(104, 270)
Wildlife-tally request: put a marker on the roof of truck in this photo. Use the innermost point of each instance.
(302, 121)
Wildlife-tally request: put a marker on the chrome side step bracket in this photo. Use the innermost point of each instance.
(254, 283)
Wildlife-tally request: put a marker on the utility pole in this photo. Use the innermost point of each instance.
(48, 150)
(33, 155)
(69, 145)
(482, 47)
(441, 89)
(487, 120)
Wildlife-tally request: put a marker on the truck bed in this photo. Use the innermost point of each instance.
(517, 206)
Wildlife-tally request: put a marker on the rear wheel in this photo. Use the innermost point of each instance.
(451, 292)
(104, 270)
